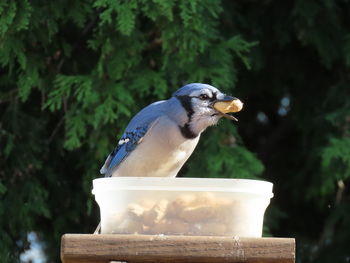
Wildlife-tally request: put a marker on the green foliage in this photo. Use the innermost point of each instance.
(75, 72)
(335, 161)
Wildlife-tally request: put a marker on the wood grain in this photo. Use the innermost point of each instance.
(76, 248)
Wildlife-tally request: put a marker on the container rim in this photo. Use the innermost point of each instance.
(249, 186)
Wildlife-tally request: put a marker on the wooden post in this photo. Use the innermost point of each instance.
(77, 248)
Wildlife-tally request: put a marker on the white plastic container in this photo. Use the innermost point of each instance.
(182, 206)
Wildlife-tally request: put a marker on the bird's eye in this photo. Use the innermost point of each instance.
(203, 96)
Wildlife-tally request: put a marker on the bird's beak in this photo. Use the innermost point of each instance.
(226, 105)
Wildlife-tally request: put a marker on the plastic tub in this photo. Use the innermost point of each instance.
(182, 206)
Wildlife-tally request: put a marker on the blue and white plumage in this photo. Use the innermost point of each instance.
(162, 136)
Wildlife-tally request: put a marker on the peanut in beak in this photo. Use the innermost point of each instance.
(228, 106)
(225, 107)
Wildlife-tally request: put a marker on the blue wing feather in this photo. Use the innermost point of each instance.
(134, 132)
(118, 157)
(128, 143)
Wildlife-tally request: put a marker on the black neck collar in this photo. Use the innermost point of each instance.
(187, 132)
(187, 105)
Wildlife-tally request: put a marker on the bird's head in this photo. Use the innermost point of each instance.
(205, 105)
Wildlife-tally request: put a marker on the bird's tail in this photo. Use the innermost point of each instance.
(104, 168)
(98, 229)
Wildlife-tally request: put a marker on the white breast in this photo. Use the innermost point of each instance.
(162, 152)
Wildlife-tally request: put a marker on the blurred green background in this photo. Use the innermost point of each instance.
(73, 73)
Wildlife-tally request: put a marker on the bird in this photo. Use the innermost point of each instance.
(162, 136)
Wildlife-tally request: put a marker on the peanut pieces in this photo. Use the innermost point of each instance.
(187, 214)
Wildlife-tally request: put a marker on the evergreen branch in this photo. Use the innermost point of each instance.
(8, 97)
(85, 30)
(55, 130)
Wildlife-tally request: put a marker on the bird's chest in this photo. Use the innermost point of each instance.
(162, 152)
(169, 159)
(171, 146)
(165, 152)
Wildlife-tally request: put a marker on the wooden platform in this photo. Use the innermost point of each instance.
(147, 248)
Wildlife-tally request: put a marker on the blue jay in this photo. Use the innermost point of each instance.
(162, 136)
